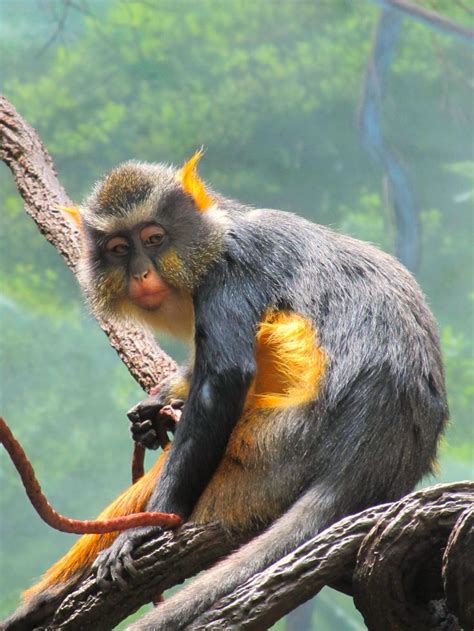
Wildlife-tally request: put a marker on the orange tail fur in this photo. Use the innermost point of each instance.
(83, 553)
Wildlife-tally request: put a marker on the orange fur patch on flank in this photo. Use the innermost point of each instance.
(83, 553)
(290, 362)
(192, 183)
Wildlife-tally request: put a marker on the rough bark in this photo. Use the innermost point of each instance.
(393, 554)
(398, 571)
(458, 569)
(161, 563)
(331, 556)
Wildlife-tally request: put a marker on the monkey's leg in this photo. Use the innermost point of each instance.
(313, 512)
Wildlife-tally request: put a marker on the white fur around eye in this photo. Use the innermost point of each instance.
(125, 220)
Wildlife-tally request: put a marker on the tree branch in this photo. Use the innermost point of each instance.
(43, 196)
(458, 569)
(331, 556)
(161, 563)
(387, 551)
(387, 32)
(398, 571)
(429, 18)
(407, 246)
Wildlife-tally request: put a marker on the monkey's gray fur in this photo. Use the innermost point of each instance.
(375, 425)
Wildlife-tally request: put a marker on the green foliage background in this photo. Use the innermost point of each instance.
(271, 89)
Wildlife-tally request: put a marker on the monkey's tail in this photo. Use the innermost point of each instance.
(79, 526)
(82, 554)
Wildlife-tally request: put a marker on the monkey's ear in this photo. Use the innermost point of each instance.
(192, 183)
(74, 213)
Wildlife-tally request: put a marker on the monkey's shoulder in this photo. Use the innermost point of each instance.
(277, 234)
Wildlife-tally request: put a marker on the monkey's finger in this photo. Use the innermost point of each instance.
(100, 558)
(100, 568)
(141, 430)
(105, 584)
(143, 427)
(129, 565)
(144, 410)
(116, 574)
(150, 440)
(133, 416)
(172, 413)
(162, 436)
(177, 404)
(120, 564)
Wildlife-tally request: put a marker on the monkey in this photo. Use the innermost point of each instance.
(315, 383)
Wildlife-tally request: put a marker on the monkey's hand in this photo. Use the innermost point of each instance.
(152, 419)
(113, 565)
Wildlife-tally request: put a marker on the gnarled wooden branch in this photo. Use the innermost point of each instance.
(164, 561)
(330, 557)
(393, 553)
(43, 196)
(458, 569)
(398, 572)
(161, 563)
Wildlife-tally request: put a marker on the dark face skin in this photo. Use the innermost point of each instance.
(134, 251)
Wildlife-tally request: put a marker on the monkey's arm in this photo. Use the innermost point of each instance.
(223, 371)
(225, 322)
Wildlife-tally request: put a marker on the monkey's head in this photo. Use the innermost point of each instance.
(150, 233)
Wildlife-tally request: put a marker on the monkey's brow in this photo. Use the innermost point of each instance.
(103, 237)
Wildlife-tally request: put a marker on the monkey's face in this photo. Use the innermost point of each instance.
(147, 241)
(132, 255)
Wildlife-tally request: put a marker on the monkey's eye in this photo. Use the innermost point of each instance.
(118, 246)
(152, 235)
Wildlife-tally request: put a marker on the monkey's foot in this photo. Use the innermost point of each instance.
(151, 421)
(114, 565)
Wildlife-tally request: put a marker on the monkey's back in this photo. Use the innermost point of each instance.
(372, 430)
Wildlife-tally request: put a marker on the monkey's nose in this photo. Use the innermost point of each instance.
(142, 275)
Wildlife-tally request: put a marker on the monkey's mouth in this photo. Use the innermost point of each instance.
(150, 300)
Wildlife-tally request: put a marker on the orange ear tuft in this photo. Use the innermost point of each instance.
(74, 213)
(192, 183)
